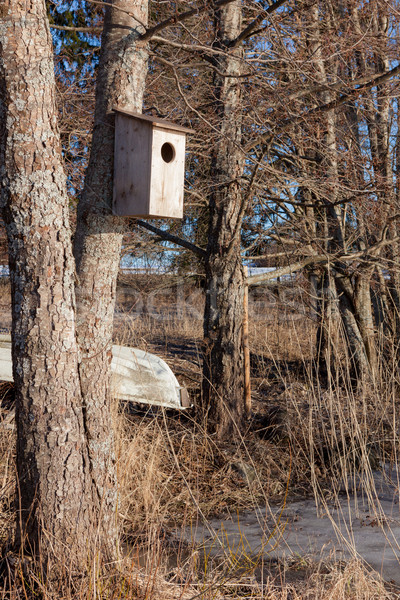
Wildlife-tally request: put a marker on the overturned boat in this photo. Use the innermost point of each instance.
(136, 376)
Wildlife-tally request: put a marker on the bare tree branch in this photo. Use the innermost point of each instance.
(364, 255)
(246, 33)
(194, 48)
(288, 270)
(119, 9)
(77, 29)
(174, 19)
(376, 80)
(169, 237)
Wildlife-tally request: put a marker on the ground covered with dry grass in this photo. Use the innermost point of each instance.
(304, 438)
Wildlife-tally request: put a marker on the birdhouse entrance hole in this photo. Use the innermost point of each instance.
(149, 166)
(167, 152)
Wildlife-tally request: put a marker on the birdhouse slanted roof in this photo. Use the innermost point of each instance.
(157, 122)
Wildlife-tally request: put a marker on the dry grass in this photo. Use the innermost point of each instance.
(304, 436)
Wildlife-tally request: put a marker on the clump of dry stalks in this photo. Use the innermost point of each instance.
(172, 473)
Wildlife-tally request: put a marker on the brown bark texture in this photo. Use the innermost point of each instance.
(54, 490)
(98, 238)
(223, 384)
(327, 341)
(65, 457)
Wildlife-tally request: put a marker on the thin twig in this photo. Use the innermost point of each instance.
(122, 10)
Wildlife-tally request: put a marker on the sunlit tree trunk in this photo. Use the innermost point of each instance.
(354, 300)
(360, 368)
(120, 82)
(56, 510)
(65, 456)
(327, 337)
(223, 385)
(365, 318)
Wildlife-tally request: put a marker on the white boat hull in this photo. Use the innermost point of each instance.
(137, 376)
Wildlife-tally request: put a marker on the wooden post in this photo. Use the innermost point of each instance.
(246, 351)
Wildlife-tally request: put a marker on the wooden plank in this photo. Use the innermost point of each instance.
(132, 166)
(167, 176)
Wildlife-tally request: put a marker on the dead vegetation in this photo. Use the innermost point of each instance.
(304, 437)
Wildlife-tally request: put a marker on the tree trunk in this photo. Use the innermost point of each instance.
(98, 237)
(360, 368)
(328, 326)
(365, 319)
(65, 460)
(54, 489)
(223, 360)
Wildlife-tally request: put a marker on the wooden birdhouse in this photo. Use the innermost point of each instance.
(149, 166)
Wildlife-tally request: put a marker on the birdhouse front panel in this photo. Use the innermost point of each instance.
(167, 173)
(149, 166)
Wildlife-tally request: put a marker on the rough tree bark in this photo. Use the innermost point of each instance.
(328, 325)
(360, 369)
(364, 315)
(65, 461)
(98, 237)
(223, 385)
(54, 488)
